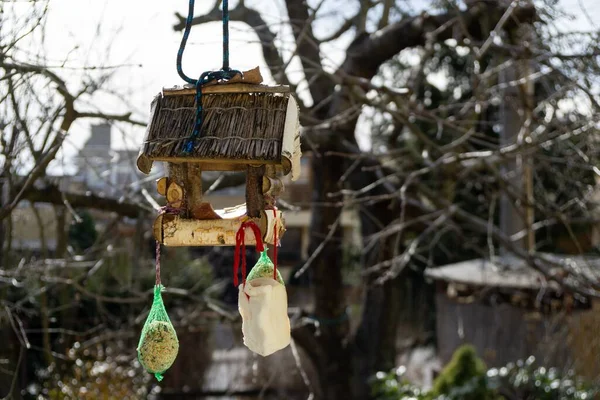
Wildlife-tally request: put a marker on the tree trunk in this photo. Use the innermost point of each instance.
(7, 335)
(3, 201)
(375, 344)
(330, 302)
(68, 316)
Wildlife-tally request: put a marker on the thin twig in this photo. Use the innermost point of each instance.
(320, 247)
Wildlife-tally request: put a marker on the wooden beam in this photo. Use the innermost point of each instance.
(227, 88)
(175, 231)
(255, 202)
(193, 186)
(177, 177)
(213, 161)
(223, 167)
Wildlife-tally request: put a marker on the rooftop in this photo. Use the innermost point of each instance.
(511, 272)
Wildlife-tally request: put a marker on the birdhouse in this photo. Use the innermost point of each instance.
(247, 127)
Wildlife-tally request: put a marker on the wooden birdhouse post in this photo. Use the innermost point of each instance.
(246, 127)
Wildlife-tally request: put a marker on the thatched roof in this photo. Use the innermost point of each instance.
(243, 124)
(512, 272)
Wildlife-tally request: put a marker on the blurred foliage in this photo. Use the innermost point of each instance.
(351, 264)
(393, 386)
(103, 371)
(465, 378)
(82, 234)
(524, 380)
(179, 269)
(92, 341)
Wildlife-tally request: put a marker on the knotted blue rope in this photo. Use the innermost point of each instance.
(224, 74)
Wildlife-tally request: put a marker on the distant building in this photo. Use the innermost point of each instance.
(104, 170)
(107, 172)
(509, 311)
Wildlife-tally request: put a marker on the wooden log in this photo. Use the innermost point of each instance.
(271, 170)
(177, 172)
(193, 187)
(175, 195)
(266, 184)
(255, 202)
(272, 188)
(144, 163)
(173, 230)
(177, 177)
(161, 186)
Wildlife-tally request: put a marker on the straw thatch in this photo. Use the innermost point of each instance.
(236, 126)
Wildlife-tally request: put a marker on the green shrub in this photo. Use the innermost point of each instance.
(392, 386)
(83, 234)
(463, 378)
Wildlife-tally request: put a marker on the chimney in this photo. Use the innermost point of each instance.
(100, 136)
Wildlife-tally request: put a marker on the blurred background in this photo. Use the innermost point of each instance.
(441, 243)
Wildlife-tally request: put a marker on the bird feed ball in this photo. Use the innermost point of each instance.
(264, 269)
(159, 346)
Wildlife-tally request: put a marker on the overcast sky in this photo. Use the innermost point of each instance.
(140, 33)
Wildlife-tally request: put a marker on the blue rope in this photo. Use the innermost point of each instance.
(186, 34)
(226, 36)
(224, 74)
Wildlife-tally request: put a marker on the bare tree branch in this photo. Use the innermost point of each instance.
(53, 195)
(253, 18)
(308, 50)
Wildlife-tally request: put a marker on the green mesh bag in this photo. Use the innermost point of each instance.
(264, 268)
(158, 344)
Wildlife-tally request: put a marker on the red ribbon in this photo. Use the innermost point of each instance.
(240, 245)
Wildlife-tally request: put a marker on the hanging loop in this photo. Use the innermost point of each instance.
(186, 34)
(275, 243)
(222, 75)
(225, 73)
(240, 249)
